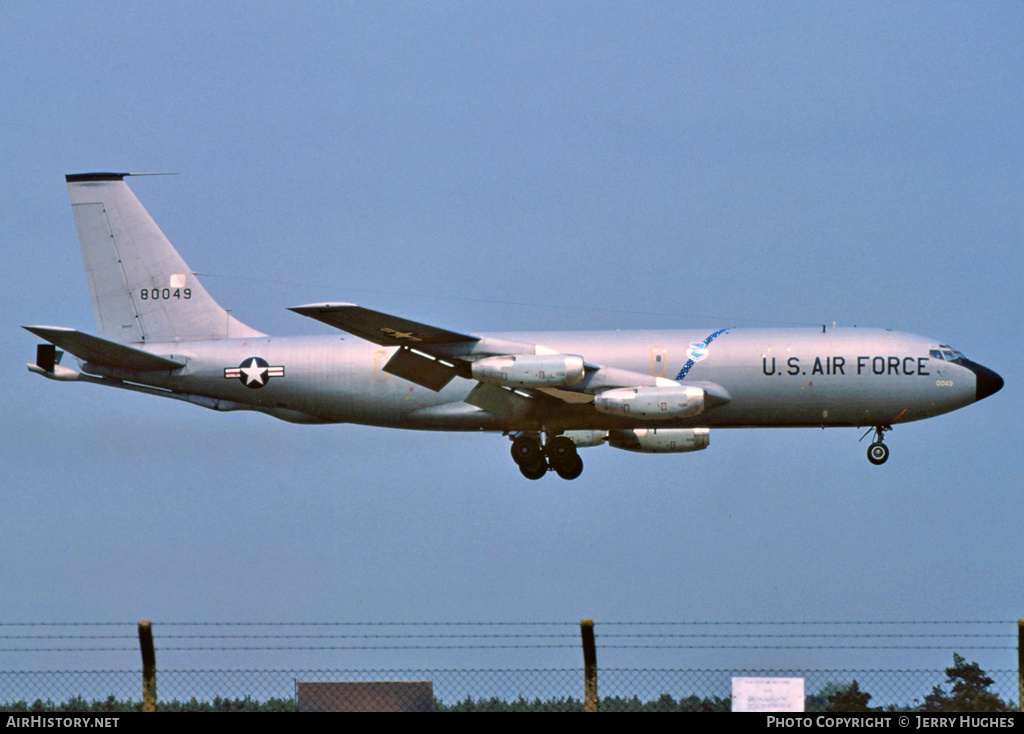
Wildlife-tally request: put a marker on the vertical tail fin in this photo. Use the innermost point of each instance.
(142, 291)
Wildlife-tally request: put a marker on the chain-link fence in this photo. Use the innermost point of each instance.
(458, 690)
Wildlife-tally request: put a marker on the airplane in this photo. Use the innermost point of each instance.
(551, 393)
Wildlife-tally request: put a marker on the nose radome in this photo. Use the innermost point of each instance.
(988, 382)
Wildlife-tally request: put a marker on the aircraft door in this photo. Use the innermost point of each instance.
(380, 358)
(658, 361)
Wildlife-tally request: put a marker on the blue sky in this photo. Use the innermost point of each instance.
(519, 166)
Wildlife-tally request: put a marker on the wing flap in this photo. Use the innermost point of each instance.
(104, 353)
(412, 366)
(499, 401)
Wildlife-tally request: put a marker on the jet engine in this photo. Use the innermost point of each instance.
(660, 440)
(586, 437)
(657, 403)
(530, 370)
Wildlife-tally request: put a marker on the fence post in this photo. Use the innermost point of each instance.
(1020, 664)
(148, 665)
(589, 665)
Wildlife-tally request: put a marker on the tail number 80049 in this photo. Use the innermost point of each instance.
(165, 294)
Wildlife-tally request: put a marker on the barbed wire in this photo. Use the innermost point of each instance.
(491, 637)
(341, 636)
(497, 623)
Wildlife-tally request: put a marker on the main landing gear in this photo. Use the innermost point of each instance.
(878, 452)
(534, 460)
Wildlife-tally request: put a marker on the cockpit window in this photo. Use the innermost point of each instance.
(947, 353)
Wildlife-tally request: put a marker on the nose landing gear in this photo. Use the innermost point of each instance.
(559, 454)
(878, 452)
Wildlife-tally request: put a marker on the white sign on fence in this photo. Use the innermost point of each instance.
(768, 694)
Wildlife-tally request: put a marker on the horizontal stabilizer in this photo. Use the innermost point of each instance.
(103, 353)
(380, 328)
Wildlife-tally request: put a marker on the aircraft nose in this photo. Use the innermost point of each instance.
(988, 381)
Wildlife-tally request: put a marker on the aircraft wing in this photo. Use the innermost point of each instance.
(432, 357)
(380, 328)
(102, 352)
(428, 355)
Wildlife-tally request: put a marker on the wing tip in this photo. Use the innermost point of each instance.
(320, 307)
(39, 330)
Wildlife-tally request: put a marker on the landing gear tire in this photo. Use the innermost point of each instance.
(559, 454)
(534, 471)
(878, 453)
(560, 450)
(562, 457)
(570, 468)
(526, 451)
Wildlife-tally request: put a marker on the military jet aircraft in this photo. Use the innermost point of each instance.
(160, 332)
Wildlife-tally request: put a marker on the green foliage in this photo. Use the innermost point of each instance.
(851, 699)
(497, 705)
(969, 691)
(664, 703)
(818, 702)
(78, 704)
(229, 704)
(608, 704)
(838, 697)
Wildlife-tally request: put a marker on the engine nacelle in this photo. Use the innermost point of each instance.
(651, 403)
(530, 370)
(660, 440)
(586, 437)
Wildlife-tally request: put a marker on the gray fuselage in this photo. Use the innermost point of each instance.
(770, 377)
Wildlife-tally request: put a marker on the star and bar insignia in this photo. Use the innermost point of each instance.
(254, 372)
(399, 335)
